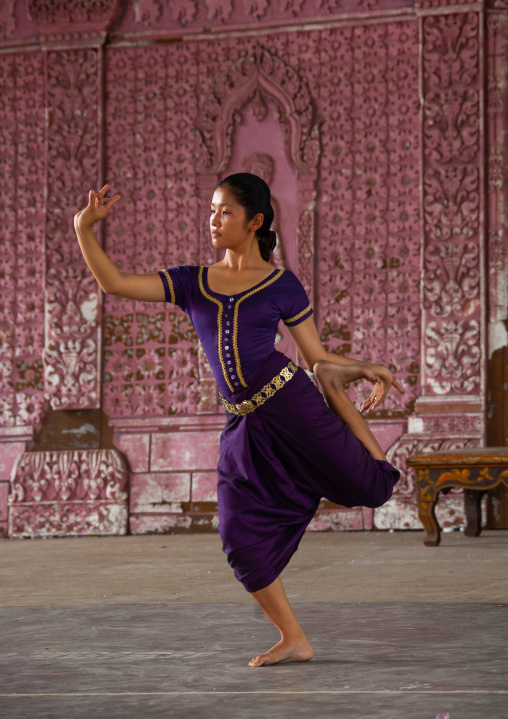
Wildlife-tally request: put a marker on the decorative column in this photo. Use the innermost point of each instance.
(497, 244)
(453, 323)
(72, 36)
(450, 411)
(497, 186)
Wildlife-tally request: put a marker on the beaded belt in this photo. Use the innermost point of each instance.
(249, 405)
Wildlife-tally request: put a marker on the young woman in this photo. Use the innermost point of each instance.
(283, 447)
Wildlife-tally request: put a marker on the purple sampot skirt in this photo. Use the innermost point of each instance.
(276, 464)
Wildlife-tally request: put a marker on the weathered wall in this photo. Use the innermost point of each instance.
(381, 128)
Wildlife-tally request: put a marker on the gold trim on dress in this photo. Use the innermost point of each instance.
(235, 324)
(249, 405)
(219, 325)
(171, 286)
(297, 317)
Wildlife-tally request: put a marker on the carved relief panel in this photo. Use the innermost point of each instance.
(72, 348)
(450, 410)
(497, 159)
(150, 350)
(452, 201)
(22, 399)
(68, 493)
(369, 232)
(144, 15)
(71, 35)
(270, 84)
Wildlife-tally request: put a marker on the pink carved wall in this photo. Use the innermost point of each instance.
(386, 150)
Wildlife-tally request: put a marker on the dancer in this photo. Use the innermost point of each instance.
(283, 447)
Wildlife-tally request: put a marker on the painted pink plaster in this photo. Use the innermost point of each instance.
(15, 22)
(8, 453)
(387, 433)
(402, 513)
(159, 492)
(4, 530)
(204, 486)
(184, 451)
(158, 524)
(4, 493)
(135, 448)
(336, 520)
(368, 516)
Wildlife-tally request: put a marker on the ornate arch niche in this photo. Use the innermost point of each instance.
(261, 76)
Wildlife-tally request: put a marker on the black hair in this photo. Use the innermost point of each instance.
(253, 194)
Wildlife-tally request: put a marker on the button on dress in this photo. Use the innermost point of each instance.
(278, 461)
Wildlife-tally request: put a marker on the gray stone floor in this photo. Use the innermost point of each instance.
(155, 627)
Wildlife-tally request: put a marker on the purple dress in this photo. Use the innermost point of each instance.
(289, 449)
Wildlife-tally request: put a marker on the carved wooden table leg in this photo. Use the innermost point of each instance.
(475, 470)
(472, 506)
(427, 514)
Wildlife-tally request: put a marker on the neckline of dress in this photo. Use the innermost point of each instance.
(237, 294)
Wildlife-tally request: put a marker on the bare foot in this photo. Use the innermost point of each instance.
(331, 374)
(285, 651)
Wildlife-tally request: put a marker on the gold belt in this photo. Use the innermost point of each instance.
(249, 405)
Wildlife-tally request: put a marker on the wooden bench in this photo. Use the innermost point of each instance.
(475, 470)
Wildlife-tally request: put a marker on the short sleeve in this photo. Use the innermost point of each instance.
(295, 306)
(176, 281)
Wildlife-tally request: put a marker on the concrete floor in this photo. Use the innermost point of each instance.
(151, 627)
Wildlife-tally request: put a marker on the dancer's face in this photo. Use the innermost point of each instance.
(228, 222)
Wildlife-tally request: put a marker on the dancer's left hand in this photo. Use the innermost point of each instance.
(385, 380)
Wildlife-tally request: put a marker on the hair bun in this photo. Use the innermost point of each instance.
(272, 236)
(267, 240)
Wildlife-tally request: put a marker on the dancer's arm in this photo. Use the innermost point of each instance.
(307, 340)
(147, 287)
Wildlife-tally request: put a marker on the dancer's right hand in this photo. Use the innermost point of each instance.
(97, 208)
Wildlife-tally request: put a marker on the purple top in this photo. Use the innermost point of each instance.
(237, 331)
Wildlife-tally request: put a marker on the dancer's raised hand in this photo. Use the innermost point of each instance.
(97, 208)
(384, 380)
